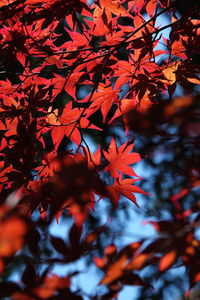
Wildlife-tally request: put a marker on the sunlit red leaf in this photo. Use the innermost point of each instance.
(194, 80)
(102, 99)
(168, 260)
(138, 262)
(50, 285)
(12, 234)
(125, 187)
(170, 73)
(151, 6)
(115, 270)
(120, 159)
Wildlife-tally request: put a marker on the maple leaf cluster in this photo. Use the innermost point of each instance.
(69, 69)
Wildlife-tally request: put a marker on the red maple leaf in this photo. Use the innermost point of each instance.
(67, 124)
(125, 188)
(102, 99)
(120, 159)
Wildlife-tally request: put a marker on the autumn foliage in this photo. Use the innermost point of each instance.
(73, 69)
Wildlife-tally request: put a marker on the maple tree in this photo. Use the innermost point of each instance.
(73, 69)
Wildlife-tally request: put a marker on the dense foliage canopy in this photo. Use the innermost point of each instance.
(109, 73)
